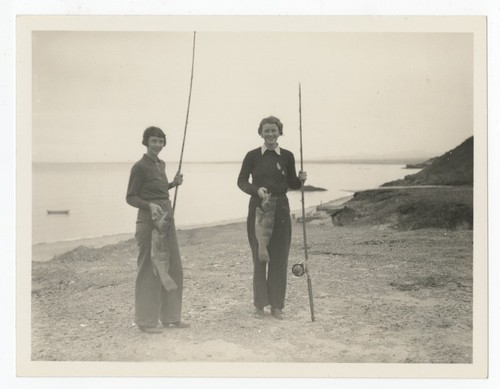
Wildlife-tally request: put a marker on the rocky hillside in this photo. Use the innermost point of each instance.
(452, 168)
(407, 209)
(409, 204)
(421, 165)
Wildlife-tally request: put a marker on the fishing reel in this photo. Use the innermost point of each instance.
(298, 269)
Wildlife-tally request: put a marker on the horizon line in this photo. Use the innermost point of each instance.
(315, 160)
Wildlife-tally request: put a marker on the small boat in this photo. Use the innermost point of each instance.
(58, 212)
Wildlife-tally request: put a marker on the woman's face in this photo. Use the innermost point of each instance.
(270, 132)
(155, 145)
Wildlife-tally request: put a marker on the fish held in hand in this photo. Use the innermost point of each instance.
(264, 224)
(160, 253)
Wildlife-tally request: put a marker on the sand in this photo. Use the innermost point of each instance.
(380, 295)
(47, 251)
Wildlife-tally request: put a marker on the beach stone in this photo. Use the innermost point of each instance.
(344, 216)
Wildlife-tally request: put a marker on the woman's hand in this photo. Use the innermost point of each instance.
(179, 178)
(156, 211)
(302, 176)
(262, 192)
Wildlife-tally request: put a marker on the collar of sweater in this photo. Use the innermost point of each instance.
(263, 149)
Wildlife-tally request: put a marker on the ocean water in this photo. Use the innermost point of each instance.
(95, 195)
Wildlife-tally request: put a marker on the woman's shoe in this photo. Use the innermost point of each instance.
(149, 330)
(277, 313)
(179, 324)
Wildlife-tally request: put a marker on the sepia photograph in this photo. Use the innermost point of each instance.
(258, 196)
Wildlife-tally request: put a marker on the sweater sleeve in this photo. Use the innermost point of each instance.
(134, 187)
(244, 176)
(292, 179)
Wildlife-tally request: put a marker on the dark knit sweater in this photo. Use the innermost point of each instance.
(148, 182)
(274, 172)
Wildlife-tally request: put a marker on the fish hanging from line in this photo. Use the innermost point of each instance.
(160, 253)
(264, 224)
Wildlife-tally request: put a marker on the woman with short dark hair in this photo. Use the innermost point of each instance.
(148, 191)
(268, 223)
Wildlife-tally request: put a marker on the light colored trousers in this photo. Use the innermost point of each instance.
(152, 302)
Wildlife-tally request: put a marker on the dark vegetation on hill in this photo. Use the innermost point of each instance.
(447, 205)
(421, 165)
(452, 168)
(409, 209)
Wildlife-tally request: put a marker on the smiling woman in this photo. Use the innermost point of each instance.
(268, 224)
(148, 190)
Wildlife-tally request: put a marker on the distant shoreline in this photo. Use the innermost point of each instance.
(45, 251)
(354, 161)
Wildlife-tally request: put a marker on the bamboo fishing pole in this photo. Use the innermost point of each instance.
(306, 267)
(187, 118)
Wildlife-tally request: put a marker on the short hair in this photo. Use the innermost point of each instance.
(270, 120)
(153, 131)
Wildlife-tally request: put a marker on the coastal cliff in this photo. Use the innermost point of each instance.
(439, 196)
(455, 168)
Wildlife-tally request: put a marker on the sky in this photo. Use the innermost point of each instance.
(364, 95)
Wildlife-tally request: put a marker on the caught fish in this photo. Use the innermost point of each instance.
(264, 224)
(160, 253)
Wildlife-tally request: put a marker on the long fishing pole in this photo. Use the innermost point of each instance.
(187, 119)
(306, 267)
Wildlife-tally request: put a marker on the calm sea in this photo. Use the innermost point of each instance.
(95, 195)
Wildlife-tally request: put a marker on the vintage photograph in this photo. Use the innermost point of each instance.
(254, 190)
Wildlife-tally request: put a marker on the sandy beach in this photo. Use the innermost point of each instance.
(47, 251)
(381, 295)
(42, 252)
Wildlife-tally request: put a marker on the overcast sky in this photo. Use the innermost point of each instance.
(364, 95)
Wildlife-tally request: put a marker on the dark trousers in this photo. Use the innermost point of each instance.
(269, 280)
(152, 301)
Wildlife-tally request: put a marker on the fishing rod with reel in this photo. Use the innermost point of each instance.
(299, 269)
